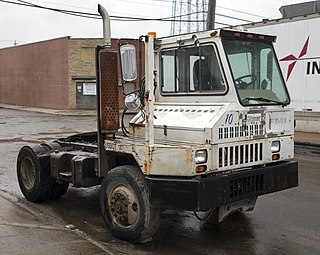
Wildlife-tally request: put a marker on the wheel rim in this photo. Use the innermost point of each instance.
(123, 206)
(27, 173)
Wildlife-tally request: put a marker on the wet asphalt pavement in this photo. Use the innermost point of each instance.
(286, 222)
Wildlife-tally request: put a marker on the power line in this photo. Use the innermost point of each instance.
(74, 13)
(91, 15)
(166, 1)
(91, 9)
(67, 5)
(135, 2)
(113, 17)
(242, 12)
(230, 17)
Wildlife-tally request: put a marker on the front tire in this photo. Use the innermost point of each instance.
(125, 205)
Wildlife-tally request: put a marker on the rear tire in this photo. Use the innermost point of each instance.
(125, 205)
(33, 174)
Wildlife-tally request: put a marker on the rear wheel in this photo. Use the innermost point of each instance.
(33, 174)
(125, 205)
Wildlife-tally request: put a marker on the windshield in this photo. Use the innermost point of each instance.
(256, 72)
(191, 70)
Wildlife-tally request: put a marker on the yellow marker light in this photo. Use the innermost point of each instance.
(249, 36)
(201, 169)
(237, 34)
(153, 34)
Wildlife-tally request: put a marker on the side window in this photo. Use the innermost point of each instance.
(191, 70)
(168, 72)
(270, 75)
(209, 73)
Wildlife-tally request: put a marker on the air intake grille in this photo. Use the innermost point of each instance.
(246, 185)
(244, 154)
(240, 131)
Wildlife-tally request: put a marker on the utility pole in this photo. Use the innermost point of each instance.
(211, 14)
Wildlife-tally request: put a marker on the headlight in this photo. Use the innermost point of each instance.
(275, 146)
(200, 156)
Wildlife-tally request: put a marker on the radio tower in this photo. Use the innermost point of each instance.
(188, 16)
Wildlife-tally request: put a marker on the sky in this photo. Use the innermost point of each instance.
(21, 24)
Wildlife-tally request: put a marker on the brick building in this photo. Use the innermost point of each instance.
(57, 74)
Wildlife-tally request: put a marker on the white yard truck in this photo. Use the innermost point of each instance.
(212, 134)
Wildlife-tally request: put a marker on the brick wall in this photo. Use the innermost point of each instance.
(82, 65)
(35, 74)
(81, 59)
(44, 74)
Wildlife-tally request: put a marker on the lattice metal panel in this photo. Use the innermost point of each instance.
(240, 155)
(188, 16)
(240, 131)
(109, 95)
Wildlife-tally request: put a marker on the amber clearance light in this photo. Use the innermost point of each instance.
(275, 156)
(201, 169)
(153, 34)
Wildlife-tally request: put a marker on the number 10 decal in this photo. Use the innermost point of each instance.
(229, 119)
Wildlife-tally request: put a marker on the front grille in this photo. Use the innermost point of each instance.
(244, 154)
(246, 185)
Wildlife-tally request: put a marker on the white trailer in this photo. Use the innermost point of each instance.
(298, 50)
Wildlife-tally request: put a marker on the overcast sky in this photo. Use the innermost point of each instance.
(25, 24)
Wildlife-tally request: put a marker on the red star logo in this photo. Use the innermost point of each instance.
(293, 58)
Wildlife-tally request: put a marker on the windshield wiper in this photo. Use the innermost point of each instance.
(263, 99)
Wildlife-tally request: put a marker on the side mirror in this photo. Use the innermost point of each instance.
(128, 62)
(132, 101)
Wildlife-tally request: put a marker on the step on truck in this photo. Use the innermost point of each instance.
(212, 132)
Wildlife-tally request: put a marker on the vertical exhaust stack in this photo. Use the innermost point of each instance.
(106, 26)
(107, 92)
(107, 81)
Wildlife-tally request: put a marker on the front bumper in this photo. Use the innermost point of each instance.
(210, 191)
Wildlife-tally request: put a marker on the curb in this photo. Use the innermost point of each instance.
(50, 111)
(307, 144)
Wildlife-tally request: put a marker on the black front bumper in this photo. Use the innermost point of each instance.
(210, 191)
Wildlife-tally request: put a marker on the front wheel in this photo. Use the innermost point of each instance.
(125, 205)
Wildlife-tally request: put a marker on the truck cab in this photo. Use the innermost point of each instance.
(215, 131)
